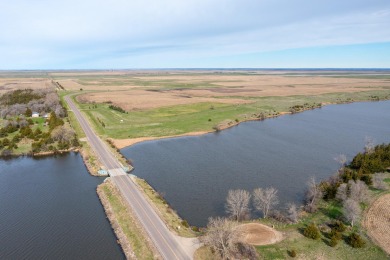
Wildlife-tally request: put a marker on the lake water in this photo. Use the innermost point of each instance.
(195, 173)
(49, 209)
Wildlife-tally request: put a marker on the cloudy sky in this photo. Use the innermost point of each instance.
(96, 34)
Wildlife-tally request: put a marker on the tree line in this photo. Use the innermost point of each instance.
(16, 110)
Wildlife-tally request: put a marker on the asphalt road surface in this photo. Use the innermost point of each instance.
(166, 243)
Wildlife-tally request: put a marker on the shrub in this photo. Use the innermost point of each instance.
(196, 229)
(246, 251)
(355, 240)
(333, 241)
(335, 234)
(292, 253)
(185, 223)
(338, 226)
(311, 231)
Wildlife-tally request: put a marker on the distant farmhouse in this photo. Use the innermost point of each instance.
(35, 114)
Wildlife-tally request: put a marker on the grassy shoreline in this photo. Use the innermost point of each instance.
(205, 117)
(131, 236)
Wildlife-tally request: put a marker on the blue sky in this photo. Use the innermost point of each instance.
(96, 34)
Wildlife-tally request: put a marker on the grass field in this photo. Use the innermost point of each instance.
(180, 119)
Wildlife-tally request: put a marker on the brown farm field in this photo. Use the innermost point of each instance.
(160, 103)
(136, 91)
(7, 84)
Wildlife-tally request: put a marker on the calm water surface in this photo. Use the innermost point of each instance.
(195, 173)
(50, 210)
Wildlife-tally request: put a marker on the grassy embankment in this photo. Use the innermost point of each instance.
(170, 216)
(199, 117)
(129, 232)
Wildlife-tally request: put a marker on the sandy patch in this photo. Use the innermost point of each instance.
(122, 143)
(377, 222)
(259, 234)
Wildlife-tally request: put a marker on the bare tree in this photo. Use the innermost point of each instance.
(341, 159)
(63, 134)
(222, 236)
(237, 204)
(51, 100)
(358, 191)
(378, 181)
(292, 212)
(265, 199)
(369, 145)
(352, 211)
(59, 111)
(313, 195)
(342, 192)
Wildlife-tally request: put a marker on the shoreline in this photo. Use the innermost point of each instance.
(124, 143)
(41, 154)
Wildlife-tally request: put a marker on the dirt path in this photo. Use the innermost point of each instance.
(259, 234)
(377, 222)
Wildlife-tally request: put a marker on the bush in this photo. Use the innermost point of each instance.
(196, 229)
(311, 231)
(185, 223)
(333, 241)
(335, 234)
(246, 251)
(292, 253)
(355, 240)
(338, 226)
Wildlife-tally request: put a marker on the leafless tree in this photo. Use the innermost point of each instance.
(313, 195)
(341, 159)
(222, 236)
(265, 199)
(342, 192)
(51, 100)
(59, 111)
(378, 181)
(352, 211)
(369, 145)
(358, 191)
(292, 212)
(63, 134)
(237, 204)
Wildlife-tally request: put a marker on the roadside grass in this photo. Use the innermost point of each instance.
(205, 253)
(71, 117)
(181, 119)
(127, 223)
(170, 217)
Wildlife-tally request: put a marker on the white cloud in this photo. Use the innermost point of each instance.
(55, 34)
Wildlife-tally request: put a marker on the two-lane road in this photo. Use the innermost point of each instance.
(165, 242)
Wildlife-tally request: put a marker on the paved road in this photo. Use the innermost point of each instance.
(166, 243)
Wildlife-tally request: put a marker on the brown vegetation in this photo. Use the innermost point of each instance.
(7, 84)
(377, 222)
(133, 91)
(258, 234)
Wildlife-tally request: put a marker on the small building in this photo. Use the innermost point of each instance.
(46, 116)
(35, 114)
